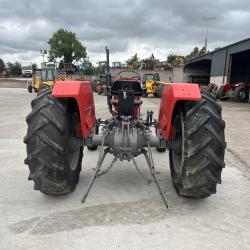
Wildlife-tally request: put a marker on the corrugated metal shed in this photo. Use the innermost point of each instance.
(220, 62)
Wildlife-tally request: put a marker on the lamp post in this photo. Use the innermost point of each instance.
(43, 53)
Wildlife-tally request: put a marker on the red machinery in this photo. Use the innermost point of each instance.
(101, 86)
(238, 91)
(63, 121)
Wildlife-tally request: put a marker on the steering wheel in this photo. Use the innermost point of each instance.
(128, 71)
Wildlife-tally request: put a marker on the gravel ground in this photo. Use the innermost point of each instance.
(122, 211)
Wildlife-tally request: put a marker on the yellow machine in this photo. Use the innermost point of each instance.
(48, 78)
(153, 85)
(35, 83)
(45, 78)
(37, 78)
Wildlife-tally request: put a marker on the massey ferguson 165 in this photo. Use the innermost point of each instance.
(62, 122)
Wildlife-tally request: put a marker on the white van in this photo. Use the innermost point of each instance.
(27, 71)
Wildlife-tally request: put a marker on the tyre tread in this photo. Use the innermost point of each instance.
(204, 150)
(45, 139)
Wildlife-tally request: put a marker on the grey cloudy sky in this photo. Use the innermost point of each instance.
(126, 26)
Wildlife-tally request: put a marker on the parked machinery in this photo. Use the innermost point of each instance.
(101, 84)
(104, 75)
(45, 78)
(62, 122)
(4, 73)
(238, 91)
(48, 78)
(153, 85)
(69, 68)
(35, 83)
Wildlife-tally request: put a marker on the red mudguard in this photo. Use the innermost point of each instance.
(171, 94)
(81, 91)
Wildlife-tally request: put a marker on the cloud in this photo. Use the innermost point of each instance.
(126, 26)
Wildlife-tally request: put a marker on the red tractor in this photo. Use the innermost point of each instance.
(238, 91)
(62, 122)
(5, 73)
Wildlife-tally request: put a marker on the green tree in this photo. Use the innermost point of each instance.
(10, 67)
(134, 62)
(34, 67)
(171, 59)
(17, 69)
(65, 44)
(175, 60)
(61, 65)
(203, 51)
(2, 65)
(196, 52)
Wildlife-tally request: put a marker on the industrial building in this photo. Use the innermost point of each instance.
(230, 64)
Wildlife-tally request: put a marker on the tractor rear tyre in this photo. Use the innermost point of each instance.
(241, 94)
(92, 148)
(54, 153)
(197, 152)
(30, 89)
(161, 150)
(222, 94)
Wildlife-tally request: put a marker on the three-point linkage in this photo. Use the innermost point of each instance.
(149, 159)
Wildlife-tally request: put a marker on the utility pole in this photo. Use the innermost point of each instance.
(206, 20)
(107, 59)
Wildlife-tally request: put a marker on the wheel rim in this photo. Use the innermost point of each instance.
(73, 144)
(177, 151)
(73, 152)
